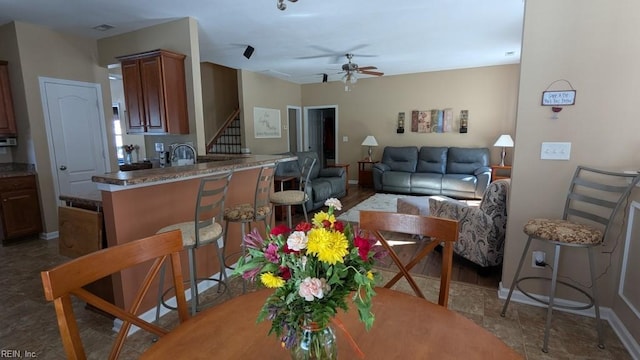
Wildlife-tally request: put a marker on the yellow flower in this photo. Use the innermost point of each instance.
(369, 275)
(321, 216)
(271, 281)
(330, 246)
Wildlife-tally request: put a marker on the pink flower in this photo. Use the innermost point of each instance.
(254, 239)
(251, 274)
(311, 288)
(297, 241)
(271, 253)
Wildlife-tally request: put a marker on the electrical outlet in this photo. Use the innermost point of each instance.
(538, 259)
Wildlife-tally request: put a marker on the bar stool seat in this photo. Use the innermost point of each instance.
(299, 196)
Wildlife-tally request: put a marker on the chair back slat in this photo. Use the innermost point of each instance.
(596, 195)
(264, 187)
(433, 230)
(305, 172)
(69, 278)
(212, 194)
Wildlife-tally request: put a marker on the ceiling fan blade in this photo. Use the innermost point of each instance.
(367, 68)
(374, 73)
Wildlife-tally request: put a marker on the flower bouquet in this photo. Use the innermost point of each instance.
(313, 269)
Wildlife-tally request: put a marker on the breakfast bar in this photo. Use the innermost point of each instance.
(137, 204)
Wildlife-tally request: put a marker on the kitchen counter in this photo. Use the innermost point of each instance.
(16, 169)
(138, 203)
(92, 201)
(178, 173)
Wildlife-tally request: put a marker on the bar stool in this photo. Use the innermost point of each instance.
(204, 230)
(245, 214)
(594, 198)
(289, 198)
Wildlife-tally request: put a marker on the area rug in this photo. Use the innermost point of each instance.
(378, 202)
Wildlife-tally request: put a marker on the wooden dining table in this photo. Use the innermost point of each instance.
(405, 327)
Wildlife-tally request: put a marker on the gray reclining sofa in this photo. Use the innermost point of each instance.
(462, 173)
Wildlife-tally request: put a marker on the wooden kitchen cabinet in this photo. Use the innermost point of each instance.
(7, 116)
(20, 207)
(155, 92)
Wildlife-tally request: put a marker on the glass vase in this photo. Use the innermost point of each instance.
(315, 343)
(127, 158)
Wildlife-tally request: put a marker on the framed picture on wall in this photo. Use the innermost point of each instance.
(266, 123)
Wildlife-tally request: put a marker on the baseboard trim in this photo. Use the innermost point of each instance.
(605, 313)
(49, 236)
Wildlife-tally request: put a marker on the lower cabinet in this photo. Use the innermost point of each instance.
(20, 207)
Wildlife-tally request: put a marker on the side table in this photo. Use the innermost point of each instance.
(500, 172)
(365, 174)
(346, 169)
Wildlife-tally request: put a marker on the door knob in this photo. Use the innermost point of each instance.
(63, 168)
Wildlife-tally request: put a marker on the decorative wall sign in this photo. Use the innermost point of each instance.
(266, 123)
(558, 98)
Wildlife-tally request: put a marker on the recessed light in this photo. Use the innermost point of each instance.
(509, 53)
(103, 27)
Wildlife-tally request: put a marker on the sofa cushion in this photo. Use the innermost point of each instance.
(403, 158)
(322, 188)
(430, 183)
(397, 181)
(466, 160)
(459, 183)
(432, 159)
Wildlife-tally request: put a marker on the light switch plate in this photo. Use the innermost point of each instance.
(555, 151)
(345, 139)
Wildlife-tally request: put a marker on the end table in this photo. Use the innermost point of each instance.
(365, 174)
(500, 172)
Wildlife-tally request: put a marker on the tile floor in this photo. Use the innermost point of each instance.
(29, 323)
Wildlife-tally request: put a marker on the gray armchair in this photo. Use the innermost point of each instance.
(482, 228)
(324, 183)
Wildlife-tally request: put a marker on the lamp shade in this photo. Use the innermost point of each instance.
(504, 141)
(370, 141)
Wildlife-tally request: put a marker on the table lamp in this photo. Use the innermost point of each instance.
(505, 141)
(370, 141)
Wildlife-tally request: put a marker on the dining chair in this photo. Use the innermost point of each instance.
(246, 213)
(69, 278)
(433, 231)
(592, 202)
(205, 229)
(300, 196)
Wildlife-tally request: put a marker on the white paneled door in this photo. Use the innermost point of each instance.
(76, 132)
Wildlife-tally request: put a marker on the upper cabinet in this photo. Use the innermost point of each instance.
(155, 92)
(7, 117)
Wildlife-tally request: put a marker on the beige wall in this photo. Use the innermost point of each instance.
(259, 90)
(219, 96)
(372, 108)
(593, 44)
(180, 36)
(42, 52)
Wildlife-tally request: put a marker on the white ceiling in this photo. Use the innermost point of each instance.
(399, 37)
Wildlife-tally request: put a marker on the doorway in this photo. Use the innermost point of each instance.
(321, 132)
(294, 127)
(76, 134)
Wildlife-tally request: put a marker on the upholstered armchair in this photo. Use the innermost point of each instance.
(482, 228)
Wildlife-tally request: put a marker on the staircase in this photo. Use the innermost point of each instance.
(228, 139)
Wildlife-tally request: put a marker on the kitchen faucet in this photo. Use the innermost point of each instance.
(174, 156)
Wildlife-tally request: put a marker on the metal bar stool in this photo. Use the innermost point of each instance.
(594, 198)
(204, 230)
(245, 214)
(289, 198)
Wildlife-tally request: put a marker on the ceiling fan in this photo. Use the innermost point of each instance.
(350, 70)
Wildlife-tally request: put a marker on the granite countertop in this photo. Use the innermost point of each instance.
(16, 169)
(156, 175)
(93, 199)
